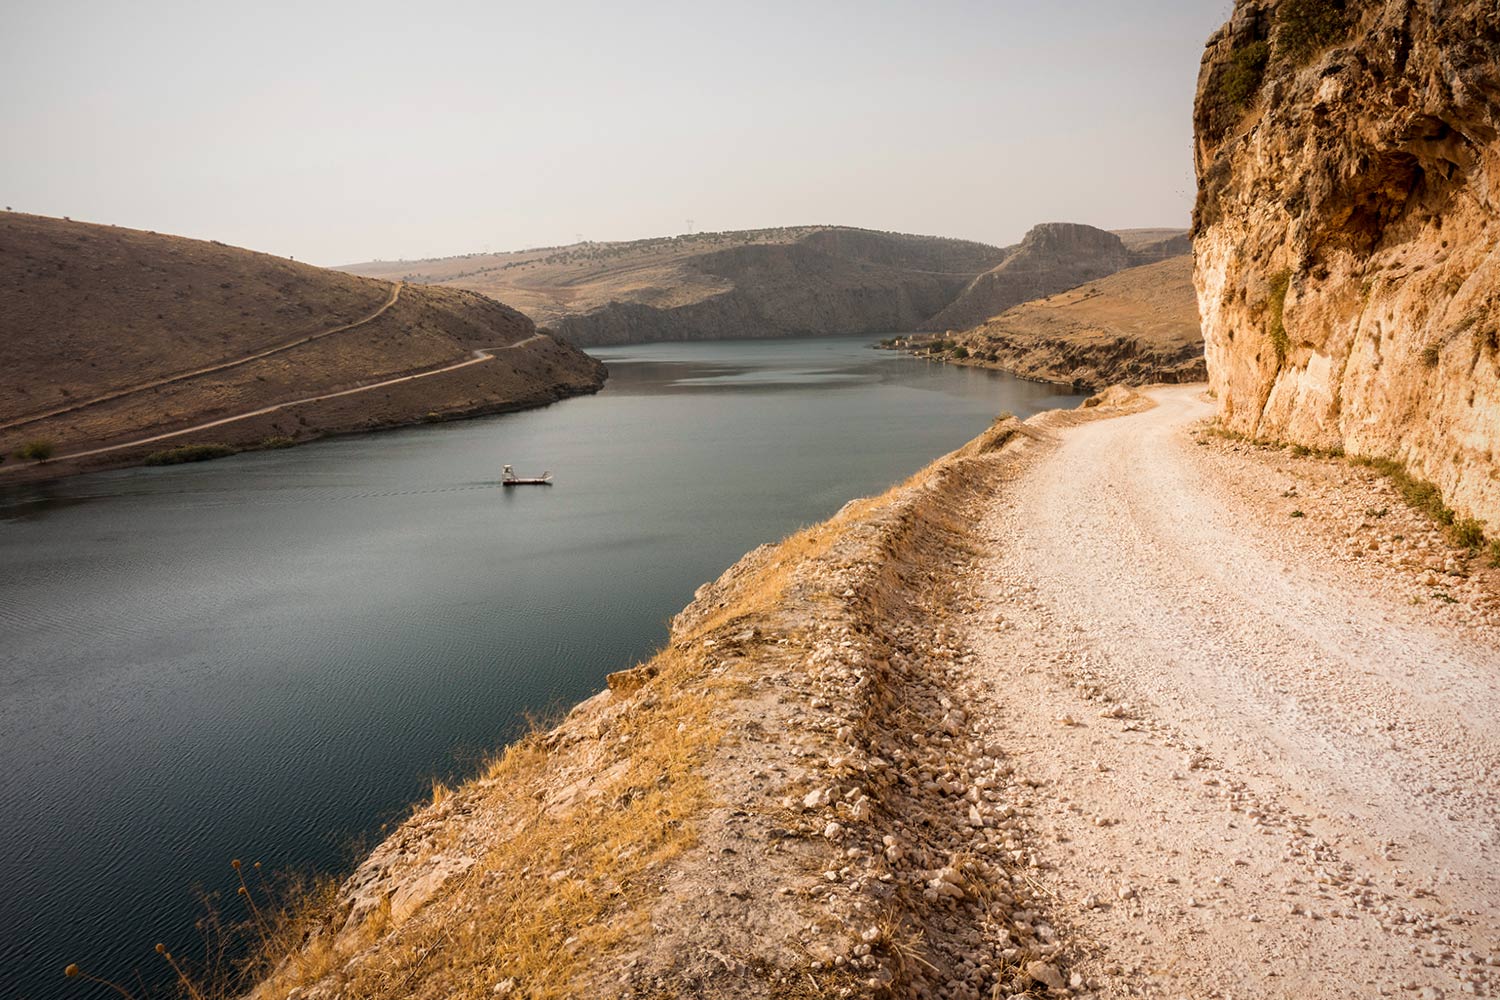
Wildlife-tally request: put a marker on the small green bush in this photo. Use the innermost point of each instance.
(1430, 354)
(1467, 533)
(1424, 496)
(38, 450)
(960, 351)
(1281, 281)
(1305, 27)
(189, 453)
(1242, 78)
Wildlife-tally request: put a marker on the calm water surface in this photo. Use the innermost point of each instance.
(270, 656)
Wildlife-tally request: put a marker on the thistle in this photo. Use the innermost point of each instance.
(74, 972)
(161, 950)
(244, 891)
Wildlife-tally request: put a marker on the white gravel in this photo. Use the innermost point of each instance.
(1264, 768)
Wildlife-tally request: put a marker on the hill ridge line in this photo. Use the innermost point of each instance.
(481, 355)
(209, 369)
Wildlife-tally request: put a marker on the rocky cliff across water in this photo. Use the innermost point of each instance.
(796, 281)
(1135, 327)
(1348, 157)
(1053, 257)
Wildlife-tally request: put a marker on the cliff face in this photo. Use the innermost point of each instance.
(1053, 256)
(836, 281)
(708, 286)
(1345, 232)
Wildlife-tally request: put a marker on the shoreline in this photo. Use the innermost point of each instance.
(766, 794)
(259, 434)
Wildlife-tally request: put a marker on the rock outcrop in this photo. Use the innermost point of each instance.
(1135, 327)
(1345, 232)
(1053, 257)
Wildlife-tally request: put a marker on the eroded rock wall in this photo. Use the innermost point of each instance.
(1345, 231)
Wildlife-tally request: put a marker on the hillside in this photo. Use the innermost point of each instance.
(117, 335)
(1134, 327)
(709, 286)
(1346, 228)
(1054, 256)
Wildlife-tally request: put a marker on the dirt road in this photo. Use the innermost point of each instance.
(1264, 768)
(220, 366)
(480, 357)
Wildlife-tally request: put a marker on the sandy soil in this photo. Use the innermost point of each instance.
(1265, 745)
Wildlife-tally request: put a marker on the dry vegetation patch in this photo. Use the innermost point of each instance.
(786, 801)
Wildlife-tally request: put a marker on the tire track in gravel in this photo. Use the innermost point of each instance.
(1291, 787)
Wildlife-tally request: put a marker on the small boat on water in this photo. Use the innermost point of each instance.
(509, 478)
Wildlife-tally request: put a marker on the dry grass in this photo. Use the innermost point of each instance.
(572, 868)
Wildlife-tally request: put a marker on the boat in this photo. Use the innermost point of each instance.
(509, 478)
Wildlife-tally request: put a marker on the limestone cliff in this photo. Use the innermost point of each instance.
(1053, 256)
(1345, 231)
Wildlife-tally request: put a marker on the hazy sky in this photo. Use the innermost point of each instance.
(342, 132)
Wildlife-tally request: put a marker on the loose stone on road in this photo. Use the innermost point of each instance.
(1265, 767)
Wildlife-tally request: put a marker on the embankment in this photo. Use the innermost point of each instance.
(789, 799)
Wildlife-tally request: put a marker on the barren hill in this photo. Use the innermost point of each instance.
(1054, 256)
(115, 336)
(754, 283)
(1135, 327)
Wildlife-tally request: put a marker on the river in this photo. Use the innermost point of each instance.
(271, 656)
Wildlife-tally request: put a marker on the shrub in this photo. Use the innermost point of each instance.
(1467, 533)
(1281, 281)
(38, 450)
(1304, 27)
(1241, 79)
(960, 351)
(278, 441)
(1430, 354)
(189, 453)
(1424, 496)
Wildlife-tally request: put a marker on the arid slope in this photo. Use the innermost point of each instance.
(708, 286)
(1346, 232)
(1054, 256)
(106, 328)
(1134, 327)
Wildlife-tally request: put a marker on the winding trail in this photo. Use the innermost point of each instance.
(207, 369)
(481, 355)
(1291, 789)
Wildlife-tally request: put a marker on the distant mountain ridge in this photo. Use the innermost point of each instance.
(796, 281)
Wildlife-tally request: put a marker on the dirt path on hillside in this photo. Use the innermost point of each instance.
(1264, 768)
(208, 369)
(480, 357)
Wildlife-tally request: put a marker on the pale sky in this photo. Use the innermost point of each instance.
(338, 132)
